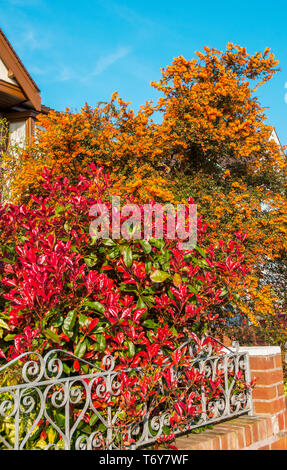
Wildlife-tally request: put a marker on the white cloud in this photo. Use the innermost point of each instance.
(34, 40)
(66, 73)
(104, 62)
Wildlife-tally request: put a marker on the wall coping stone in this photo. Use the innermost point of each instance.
(260, 350)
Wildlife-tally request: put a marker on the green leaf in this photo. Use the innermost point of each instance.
(41, 444)
(52, 336)
(121, 415)
(6, 260)
(223, 292)
(158, 243)
(9, 337)
(166, 430)
(131, 350)
(66, 368)
(93, 420)
(159, 276)
(83, 320)
(194, 289)
(60, 418)
(177, 279)
(200, 262)
(95, 306)
(140, 303)
(61, 209)
(146, 246)
(127, 256)
(90, 261)
(70, 321)
(114, 252)
(101, 344)
(80, 349)
(150, 324)
(149, 300)
(148, 266)
(108, 242)
(200, 251)
(51, 434)
(173, 330)
(3, 324)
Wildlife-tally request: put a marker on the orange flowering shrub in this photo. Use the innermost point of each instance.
(212, 117)
(112, 135)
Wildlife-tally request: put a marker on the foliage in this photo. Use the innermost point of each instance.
(235, 173)
(212, 144)
(62, 286)
(137, 300)
(111, 134)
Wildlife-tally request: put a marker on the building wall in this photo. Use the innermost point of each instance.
(4, 74)
(17, 133)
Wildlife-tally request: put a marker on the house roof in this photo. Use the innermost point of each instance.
(274, 136)
(18, 71)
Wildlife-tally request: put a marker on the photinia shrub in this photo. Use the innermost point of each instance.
(61, 287)
(137, 300)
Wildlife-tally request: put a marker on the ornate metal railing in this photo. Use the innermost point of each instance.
(82, 411)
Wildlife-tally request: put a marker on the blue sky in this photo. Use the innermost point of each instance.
(80, 51)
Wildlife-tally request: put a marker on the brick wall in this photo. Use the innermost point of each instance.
(266, 428)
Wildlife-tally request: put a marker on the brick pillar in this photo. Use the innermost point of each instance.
(268, 394)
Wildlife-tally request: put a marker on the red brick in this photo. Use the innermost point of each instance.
(241, 438)
(262, 392)
(280, 444)
(206, 445)
(262, 430)
(224, 442)
(269, 426)
(232, 441)
(222, 431)
(255, 433)
(239, 428)
(278, 361)
(280, 389)
(261, 363)
(212, 439)
(248, 436)
(189, 442)
(270, 377)
(280, 404)
(268, 407)
(247, 426)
